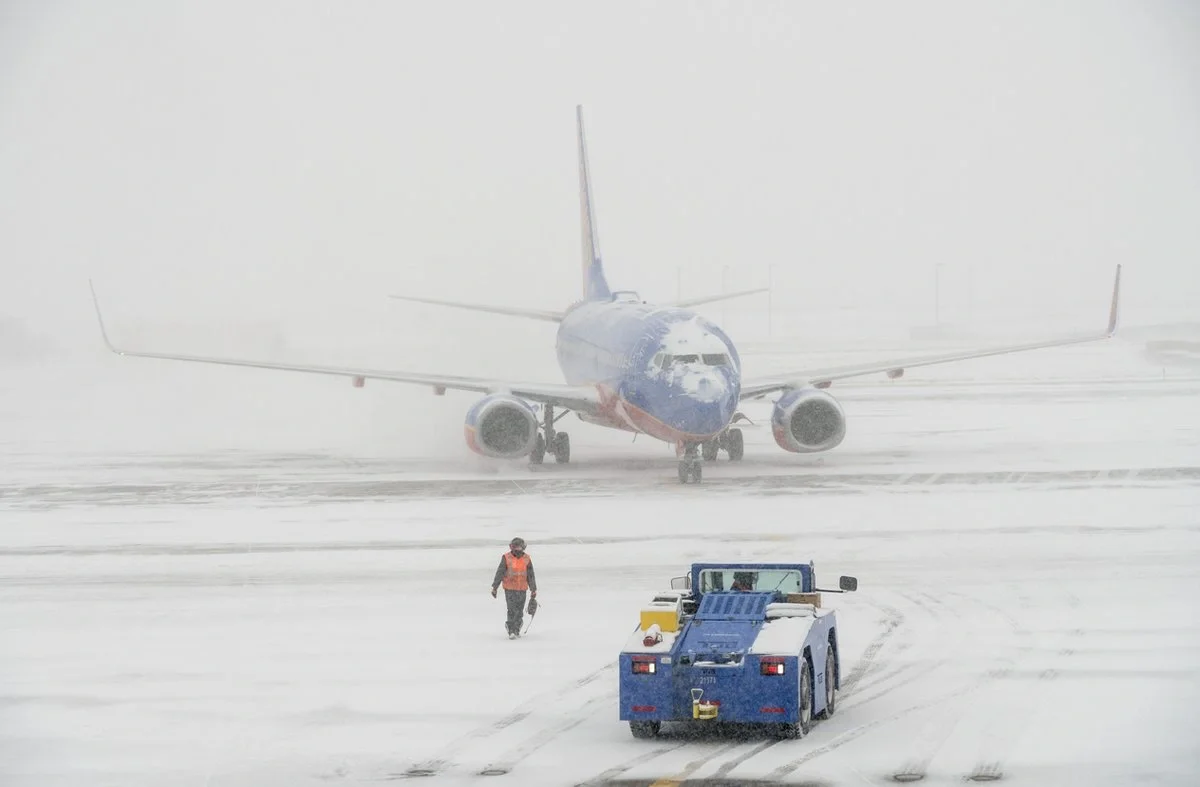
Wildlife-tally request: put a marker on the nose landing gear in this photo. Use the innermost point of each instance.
(694, 455)
(690, 464)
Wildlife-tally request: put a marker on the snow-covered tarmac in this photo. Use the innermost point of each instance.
(1028, 551)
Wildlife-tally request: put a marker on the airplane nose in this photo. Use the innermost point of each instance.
(709, 405)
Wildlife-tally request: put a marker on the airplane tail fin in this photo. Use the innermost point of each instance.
(595, 286)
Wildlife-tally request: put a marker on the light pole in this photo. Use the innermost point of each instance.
(724, 291)
(771, 301)
(937, 295)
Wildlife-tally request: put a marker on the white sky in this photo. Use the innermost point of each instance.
(261, 162)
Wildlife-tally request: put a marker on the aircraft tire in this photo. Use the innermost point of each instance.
(735, 445)
(562, 448)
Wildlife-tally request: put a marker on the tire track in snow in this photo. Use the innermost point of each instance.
(543, 736)
(785, 770)
(885, 676)
(869, 682)
(447, 757)
(1002, 731)
(617, 770)
(893, 621)
(931, 737)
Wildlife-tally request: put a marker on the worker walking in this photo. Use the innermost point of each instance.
(516, 574)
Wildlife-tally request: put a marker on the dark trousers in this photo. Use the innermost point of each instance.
(516, 609)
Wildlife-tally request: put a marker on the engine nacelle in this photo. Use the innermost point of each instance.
(501, 426)
(806, 420)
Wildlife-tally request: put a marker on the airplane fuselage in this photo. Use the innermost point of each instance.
(662, 371)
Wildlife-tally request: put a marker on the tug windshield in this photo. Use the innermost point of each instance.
(736, 579)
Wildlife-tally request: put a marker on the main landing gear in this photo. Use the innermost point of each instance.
(730, 441)
(557, 443)
(696, 454)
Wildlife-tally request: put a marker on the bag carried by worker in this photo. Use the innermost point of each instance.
(531, 610)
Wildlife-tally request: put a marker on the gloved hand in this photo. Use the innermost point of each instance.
(533, 594)
(493, 592)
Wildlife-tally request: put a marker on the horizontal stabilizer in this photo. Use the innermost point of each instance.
(533, 314)
(689, 302)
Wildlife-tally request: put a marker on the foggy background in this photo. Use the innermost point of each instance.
(253, 179)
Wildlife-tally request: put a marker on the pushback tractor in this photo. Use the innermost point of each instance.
(734, 643)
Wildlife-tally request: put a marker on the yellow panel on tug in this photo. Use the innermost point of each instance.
(703, 709)
(664, 611)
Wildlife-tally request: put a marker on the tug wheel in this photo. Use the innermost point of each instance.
(830, 685)
(644, 729)
(806, 696)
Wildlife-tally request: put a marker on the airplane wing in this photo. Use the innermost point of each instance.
(573, 397)
(755, 389)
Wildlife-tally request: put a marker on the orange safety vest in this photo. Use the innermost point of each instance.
(514, 579)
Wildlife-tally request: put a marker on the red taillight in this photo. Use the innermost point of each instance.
(771, 665)
(770, 709)
(645, 665)
(644, 708)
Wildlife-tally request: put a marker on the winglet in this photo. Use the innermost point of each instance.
(100, 319)
(1114, 312)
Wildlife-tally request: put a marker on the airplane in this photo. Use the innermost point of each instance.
(659, 370)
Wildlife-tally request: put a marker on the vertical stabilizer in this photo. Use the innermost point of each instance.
(595, 287)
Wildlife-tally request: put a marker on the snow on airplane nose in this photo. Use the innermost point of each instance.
(702, 401)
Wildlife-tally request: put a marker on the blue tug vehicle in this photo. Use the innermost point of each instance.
(739, 643)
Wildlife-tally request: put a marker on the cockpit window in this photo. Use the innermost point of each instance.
(666, 361)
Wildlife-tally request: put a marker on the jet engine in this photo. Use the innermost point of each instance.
(806, 420)
(501, 426)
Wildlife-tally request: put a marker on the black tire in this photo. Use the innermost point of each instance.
(538, 454)
(697, 472)
(830, 684)
(709, 449)
(735, 445)
(562, 448)
(685, 473)
(644, 729)
(806, 697)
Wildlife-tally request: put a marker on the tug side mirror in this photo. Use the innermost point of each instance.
(848, 584)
